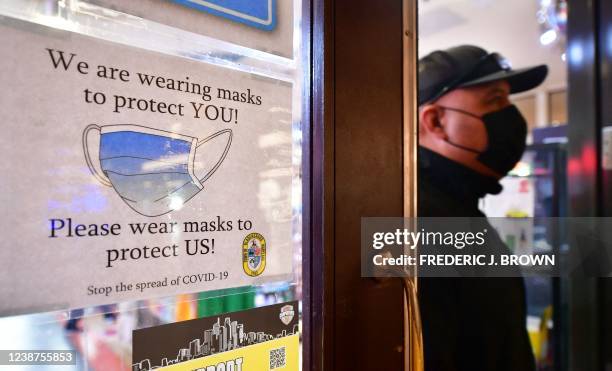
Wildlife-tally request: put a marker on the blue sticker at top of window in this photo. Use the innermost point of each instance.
(255, 13)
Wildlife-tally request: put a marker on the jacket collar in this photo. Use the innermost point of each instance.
(454, 178)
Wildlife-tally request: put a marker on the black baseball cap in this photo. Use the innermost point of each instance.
(467, 65)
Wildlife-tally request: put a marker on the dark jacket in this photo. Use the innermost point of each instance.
(469, 324)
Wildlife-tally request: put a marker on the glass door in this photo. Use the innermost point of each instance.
(152, 184)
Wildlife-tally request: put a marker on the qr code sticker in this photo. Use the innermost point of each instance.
(278, 358)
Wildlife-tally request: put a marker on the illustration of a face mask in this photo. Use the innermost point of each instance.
(153, 170)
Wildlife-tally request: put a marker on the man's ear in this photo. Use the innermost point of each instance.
(430, 121)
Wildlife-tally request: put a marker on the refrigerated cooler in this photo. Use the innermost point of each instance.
(535, 191)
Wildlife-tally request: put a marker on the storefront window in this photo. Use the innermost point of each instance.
(165, 141)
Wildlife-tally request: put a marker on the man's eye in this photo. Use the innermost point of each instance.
(498, 100)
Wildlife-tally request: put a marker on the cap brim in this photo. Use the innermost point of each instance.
(520, 80)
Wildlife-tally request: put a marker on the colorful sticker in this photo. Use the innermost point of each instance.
(259, 339)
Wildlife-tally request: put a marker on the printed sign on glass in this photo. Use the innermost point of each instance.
(130, 174)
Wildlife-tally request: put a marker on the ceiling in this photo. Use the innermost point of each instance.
(506, 26)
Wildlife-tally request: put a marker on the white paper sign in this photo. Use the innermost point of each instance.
(129, 174)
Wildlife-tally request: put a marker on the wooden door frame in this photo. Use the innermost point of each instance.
(346, 39)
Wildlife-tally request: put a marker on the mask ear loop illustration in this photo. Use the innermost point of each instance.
(227, 147)
(101, 177)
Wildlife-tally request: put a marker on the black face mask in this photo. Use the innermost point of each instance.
(506, 133)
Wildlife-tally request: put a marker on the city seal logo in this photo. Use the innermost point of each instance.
(254, 254)
(286, 314)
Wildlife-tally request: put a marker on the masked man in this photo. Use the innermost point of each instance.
(470, 136)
